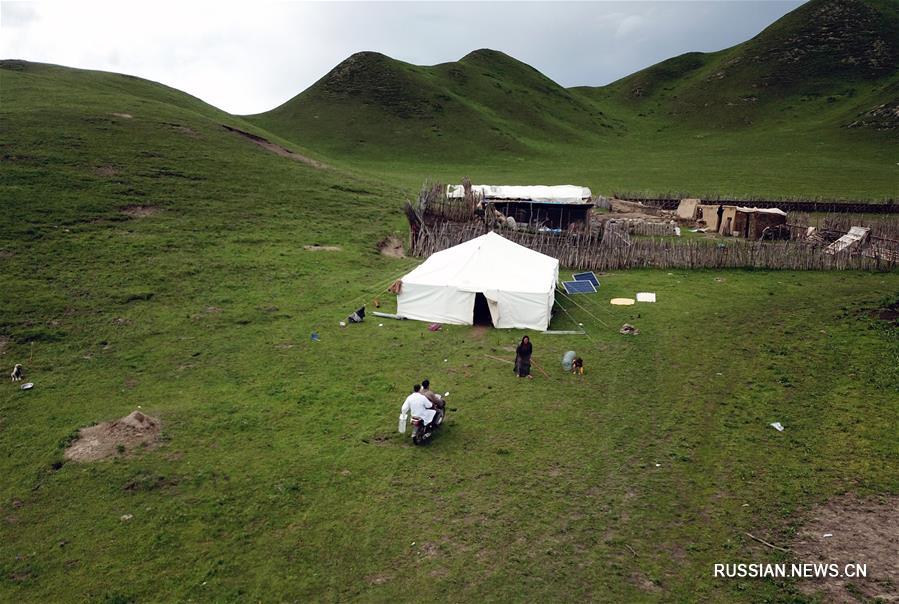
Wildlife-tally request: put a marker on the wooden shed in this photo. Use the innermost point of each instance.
(750, 223)
(739, 221)
(555, 207)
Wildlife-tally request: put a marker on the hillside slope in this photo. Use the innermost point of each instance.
(486, 102)
(829, 61)
(839, 57)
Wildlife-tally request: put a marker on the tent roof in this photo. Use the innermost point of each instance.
(536, 193)
(488, 263)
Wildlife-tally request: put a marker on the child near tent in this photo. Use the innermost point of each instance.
(577, 366)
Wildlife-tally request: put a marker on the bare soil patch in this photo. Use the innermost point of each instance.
(276, 149)
(186, 131)
(862, 531)
(105, 170)
(113, 438)
(379, 578)
(322, 248)
(139, 211)
(392, 246)
(478, 332)
(644, 583)
(890, 314)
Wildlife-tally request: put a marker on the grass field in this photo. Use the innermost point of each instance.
(157, 261)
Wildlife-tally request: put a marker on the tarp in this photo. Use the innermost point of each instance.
(568, 194)
(518, 283)
(762, 211)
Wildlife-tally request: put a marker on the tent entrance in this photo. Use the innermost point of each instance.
(481, 314)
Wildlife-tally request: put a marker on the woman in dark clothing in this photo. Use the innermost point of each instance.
(523, 357)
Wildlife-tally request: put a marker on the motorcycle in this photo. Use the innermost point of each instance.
(422, 432)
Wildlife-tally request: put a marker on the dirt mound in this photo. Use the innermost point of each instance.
(392, 246)
(138, 211)
(859, 531)
(112, 438)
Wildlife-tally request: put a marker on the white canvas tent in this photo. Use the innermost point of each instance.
(518, 283)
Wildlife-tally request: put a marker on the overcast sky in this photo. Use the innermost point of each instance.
(248, 57)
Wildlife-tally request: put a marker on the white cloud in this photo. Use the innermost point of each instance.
(628, 25)
(250, 57)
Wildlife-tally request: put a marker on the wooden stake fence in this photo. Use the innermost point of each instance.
(592, 252)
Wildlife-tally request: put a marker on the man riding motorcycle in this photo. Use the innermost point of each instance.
(425, 418)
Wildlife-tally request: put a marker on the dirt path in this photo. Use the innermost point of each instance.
(277, 149)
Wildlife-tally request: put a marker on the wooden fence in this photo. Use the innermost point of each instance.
(592, 251)
(434, 206)
(882, 226)
(670, 201)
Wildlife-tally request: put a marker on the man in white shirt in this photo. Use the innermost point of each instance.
(418, 405)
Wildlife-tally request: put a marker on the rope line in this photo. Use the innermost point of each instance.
(586, 333)
(377, 287)
(594, 317)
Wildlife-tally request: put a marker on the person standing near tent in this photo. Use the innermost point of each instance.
(523, 358)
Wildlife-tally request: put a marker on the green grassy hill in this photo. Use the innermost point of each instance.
(485, 103)
(837, 57)
(807, 107)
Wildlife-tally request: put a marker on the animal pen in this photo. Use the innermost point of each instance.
(439, 223)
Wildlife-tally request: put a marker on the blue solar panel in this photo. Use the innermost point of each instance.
(578, 287)
(586, 277)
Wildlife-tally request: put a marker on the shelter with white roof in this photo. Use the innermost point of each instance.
(552, 207)
(514, 284)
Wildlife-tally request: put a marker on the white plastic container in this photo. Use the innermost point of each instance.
(402, 424)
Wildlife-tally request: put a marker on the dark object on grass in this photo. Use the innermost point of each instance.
(357, 317)
(577, 366)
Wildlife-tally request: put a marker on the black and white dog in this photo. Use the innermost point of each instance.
(17, 373)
